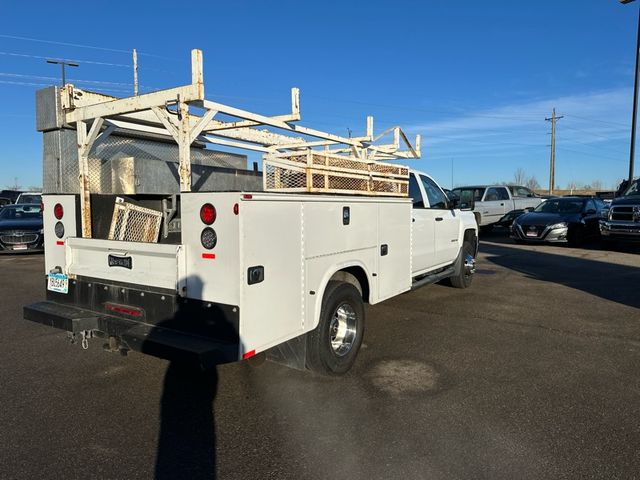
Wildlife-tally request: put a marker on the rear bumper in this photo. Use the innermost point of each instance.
(189, 331)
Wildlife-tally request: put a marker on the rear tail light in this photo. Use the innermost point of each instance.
(208, 238)
(58, 211)
(59, 229)
(208, 214)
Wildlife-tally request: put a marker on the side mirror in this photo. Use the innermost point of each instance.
(454, 202)
(529, 209)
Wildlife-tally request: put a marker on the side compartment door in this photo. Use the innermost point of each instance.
(447, 223)
(394, 249)
(422, 231)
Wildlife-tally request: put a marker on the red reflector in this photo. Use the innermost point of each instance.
(211, 256)
(247, 196)
(134, 312)
(236, 209)
(59, 242)
(208, 213)
(58, 211)
(249, 354)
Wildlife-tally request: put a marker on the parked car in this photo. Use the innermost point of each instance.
(620, 220)
(29, 197)
(21, 228)
(559, 220)
(490, 203)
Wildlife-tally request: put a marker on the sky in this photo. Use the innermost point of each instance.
(475, 79)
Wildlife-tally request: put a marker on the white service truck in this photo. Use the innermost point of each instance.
(254, 271)
(237, 273)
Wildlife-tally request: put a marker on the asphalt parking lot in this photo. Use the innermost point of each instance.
(533, 372)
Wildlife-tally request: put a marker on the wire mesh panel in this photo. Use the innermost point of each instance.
(123, 165)
(132, 223)
(314, 171)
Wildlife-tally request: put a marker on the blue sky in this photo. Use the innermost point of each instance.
(476, 79)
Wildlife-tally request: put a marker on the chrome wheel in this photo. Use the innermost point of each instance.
(342, 329)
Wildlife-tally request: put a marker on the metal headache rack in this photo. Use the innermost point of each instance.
(297, 158)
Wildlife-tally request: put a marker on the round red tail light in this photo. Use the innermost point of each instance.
(208, 213)
(58, 211)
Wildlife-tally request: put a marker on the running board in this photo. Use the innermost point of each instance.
(435, 277)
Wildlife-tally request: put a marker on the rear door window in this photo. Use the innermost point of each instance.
(414, 192)
(437, 198)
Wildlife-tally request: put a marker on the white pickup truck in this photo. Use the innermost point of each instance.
(490, 203)
(254, 272)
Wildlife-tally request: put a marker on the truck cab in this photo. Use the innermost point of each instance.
(438, 228)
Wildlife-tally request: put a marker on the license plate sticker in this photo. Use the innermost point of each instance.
(19, 247)
(58, 282)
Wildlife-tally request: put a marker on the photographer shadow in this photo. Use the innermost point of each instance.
(187, 438)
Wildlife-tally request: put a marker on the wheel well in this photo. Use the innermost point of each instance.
(355, 276)
(470, 235)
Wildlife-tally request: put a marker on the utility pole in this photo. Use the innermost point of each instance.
(552, 159)
(135, 72)
(634, 117)
(62, 64)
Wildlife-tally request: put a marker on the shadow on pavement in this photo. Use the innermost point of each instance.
(618, 283)
(187, 439)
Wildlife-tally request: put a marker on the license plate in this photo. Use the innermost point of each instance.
(19, 247)
(532, 233)
(58, 282)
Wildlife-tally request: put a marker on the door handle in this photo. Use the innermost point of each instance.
(502, 204)
(413, 219)
(439, 219)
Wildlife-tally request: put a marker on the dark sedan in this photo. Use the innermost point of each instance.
(559, 220)
(21, 228)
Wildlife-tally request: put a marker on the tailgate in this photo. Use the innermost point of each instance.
(150, 264)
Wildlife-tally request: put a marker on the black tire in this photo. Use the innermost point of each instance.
(333, 346)
(575, 236)
(461, 279)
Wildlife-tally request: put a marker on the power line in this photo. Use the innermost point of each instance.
(96, 82)
(523, 117)
(90, 62)
(79, 45)
(598, 120)
(588, 154)
(13, 54)
(34, 84)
